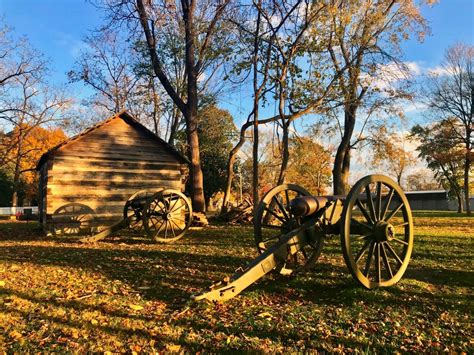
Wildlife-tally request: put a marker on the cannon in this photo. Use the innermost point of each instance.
(374, 222)
(164, 215)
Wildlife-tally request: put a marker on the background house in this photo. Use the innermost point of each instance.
(430, 200)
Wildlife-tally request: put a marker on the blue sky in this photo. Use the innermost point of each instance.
(56, 28)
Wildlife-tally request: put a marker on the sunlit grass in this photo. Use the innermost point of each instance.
(127, 294)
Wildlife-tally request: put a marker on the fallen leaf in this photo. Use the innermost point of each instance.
(15, 335)
(135, 307)
(173, 348)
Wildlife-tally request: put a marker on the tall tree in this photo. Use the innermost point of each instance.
(27, 101)
(289, 67)
(451, 95)
(309, 164)
(204, 48)
(195, 57)
(31, 103)
(439, 146)
(365, 37)
(215, 128)
(389, 153)
(28, 143)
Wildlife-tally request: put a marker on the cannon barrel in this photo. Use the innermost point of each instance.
(307, 205)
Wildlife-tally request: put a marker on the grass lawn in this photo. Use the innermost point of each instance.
(127, 294)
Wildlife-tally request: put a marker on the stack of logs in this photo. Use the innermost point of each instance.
(240, 214)
(200, 219)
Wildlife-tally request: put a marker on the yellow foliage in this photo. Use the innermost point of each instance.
(136, 307)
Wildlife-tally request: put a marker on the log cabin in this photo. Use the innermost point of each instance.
(90, 176)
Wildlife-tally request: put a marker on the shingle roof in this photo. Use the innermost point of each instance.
(128, 119)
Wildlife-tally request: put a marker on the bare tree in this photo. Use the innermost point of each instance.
(204, 50)
(451, 95)
(287, 47)
(196, 56)
(106, 66)
(16, 58)
(365, 37)
(30, 104)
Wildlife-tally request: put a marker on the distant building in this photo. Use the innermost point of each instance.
(431, 200)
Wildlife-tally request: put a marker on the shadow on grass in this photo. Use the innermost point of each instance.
(170, 275)
(125, 332)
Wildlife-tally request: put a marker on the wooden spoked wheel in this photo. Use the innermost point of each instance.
(167, 216)
(133, 209)
(377, 231)
(274, 219)
(73, 219)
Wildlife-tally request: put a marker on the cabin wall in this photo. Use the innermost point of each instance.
(97, 173)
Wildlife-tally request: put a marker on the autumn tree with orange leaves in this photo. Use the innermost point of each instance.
(27, 103)
(22, 148)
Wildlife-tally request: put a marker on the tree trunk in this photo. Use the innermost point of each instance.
(230, 174)
(346, 166)
(208, 202)
(16, 175)
(174, 125)
(460, 201)
(467, 168)
(255, 155)
(191, 116)
(256, 100)
(285, 154)
(156, 106)
(197, 191)
(341, 168)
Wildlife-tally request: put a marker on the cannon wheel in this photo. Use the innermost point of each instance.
(377, 231)
(73, 219)
(167, 216)
(273, 219)
(136, 214)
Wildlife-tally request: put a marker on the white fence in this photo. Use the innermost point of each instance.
(13, 211)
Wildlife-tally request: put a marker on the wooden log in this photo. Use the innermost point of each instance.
(137, 146)
(113, 176)
(135, 183)
(59, 161)
(118, 155)
(73, 191)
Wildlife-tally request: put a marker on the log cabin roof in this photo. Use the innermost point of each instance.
(129, 120)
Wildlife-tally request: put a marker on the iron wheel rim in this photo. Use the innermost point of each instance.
(379, 256)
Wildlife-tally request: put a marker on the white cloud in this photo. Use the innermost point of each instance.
(437, 71)
(388, 75)
(74, 46)
(410, 107)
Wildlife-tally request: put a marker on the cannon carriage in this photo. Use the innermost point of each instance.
(374, 222)
(163, 215)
